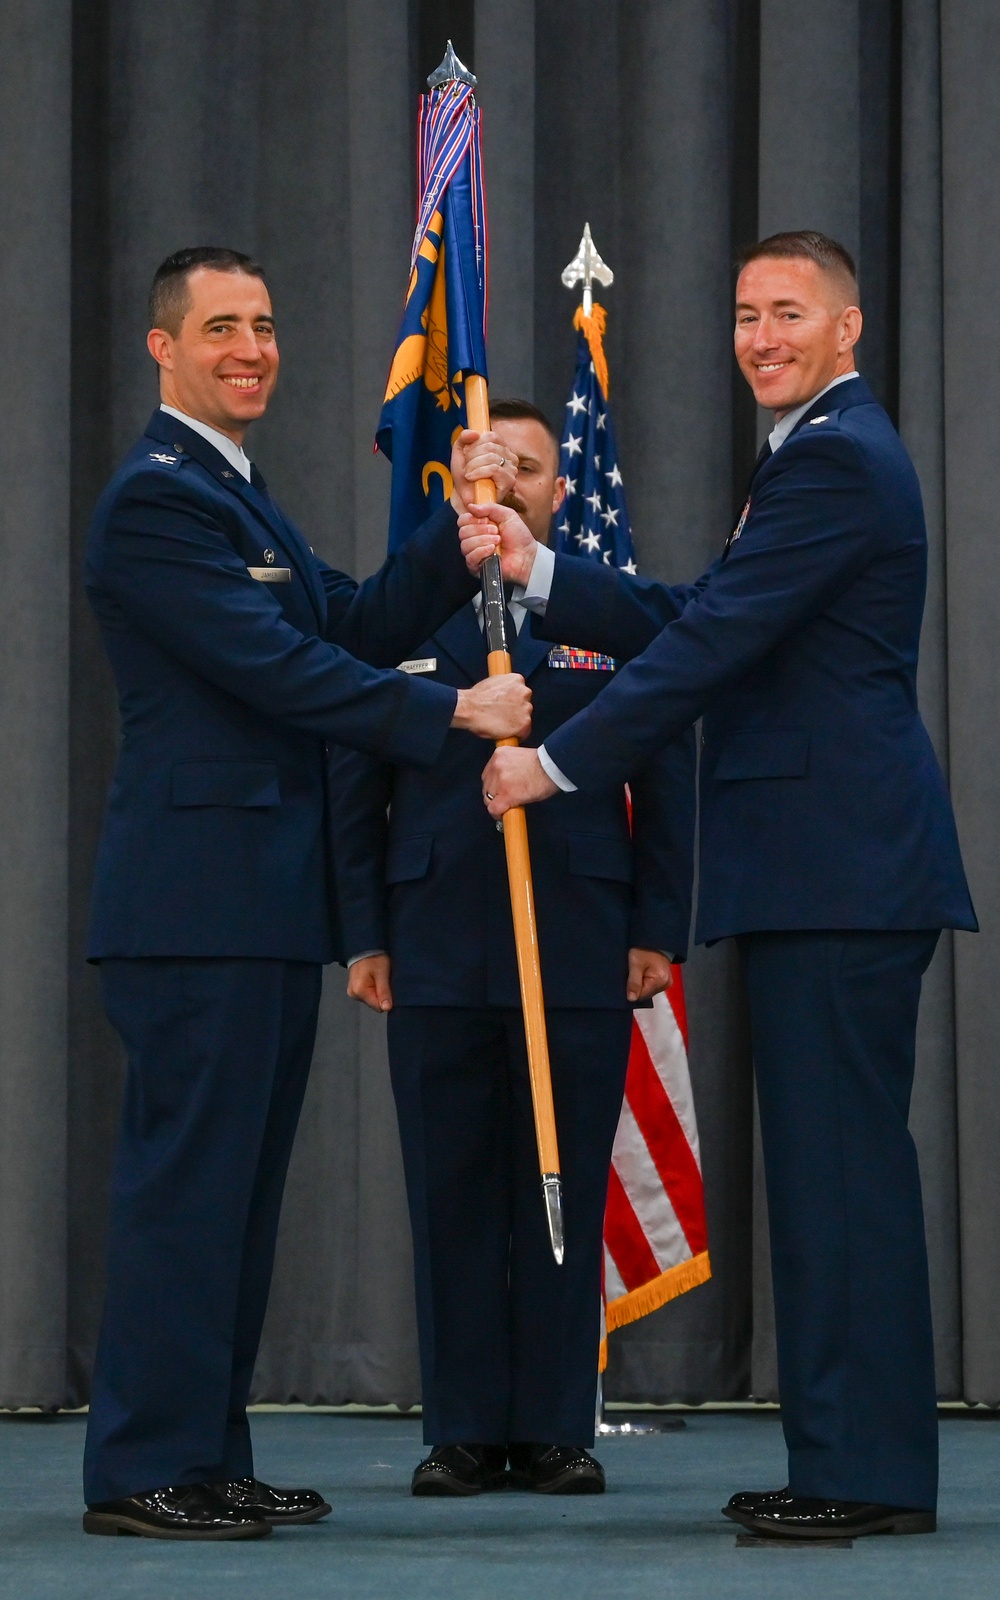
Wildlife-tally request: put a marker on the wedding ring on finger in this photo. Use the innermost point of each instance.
(487, 796)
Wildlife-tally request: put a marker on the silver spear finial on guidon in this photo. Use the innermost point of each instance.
(585, 266)
(450, 71)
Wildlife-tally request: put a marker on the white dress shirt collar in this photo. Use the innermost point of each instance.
(779, 433)
(225, 446)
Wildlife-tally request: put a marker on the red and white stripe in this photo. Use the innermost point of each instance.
(655, 1242)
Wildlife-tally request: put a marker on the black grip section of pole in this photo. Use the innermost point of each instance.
(494, 605)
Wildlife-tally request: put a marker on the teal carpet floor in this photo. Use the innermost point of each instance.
(656, 1533)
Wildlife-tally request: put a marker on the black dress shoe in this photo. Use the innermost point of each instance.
(457, 1469)
(188, 1511)
(555, 1469)
(782, 1515)
(751, 1499)
(282, 1508)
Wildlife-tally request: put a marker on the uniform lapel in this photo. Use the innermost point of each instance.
(528, 652)
(168, 430)
(764, 454)
(461, 637)
(260, 501)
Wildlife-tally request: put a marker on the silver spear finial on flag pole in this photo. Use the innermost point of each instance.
(585, 266)
(450, 70)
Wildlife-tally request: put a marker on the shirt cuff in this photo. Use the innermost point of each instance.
(363, 955)
(552, 771)
(536, 590)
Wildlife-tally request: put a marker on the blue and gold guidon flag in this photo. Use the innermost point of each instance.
(443, 332)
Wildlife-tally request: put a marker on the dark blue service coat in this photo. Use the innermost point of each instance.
(213, 868)
(214, 841)
(822, 802)
(421, 870)
(828, 845)
(508, 1339)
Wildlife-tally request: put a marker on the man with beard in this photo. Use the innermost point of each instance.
(508, 1339)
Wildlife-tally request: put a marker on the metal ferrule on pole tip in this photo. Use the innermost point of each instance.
(552, 1192)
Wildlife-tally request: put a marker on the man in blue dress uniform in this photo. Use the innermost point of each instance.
(509, 1341)
(237, 654)
(828, 850)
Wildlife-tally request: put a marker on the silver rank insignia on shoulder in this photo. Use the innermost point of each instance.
(813, 420)
(419, 664)
(158, 455)
(737, 530)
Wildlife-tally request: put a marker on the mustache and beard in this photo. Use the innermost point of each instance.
(513, 502)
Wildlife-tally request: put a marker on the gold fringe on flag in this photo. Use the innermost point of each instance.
(592, 328)
(675, 1281)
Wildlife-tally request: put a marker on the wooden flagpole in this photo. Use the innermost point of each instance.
(522, 896)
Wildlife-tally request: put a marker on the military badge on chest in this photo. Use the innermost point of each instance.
(567, 655)
(737, 530)
(270, 573)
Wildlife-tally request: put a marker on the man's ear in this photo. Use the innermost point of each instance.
(852, 323)
(160, 346)
(558, 494)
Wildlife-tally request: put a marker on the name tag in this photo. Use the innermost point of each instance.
(566, 655)
(271, 574)
(419, 664)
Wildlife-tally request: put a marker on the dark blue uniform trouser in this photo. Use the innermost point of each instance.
(218, 1057)
(508, 1340)
(833, 1018)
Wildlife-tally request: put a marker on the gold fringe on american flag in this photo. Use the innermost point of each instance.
(655, 1242)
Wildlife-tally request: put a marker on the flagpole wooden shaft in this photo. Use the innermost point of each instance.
(522, 895)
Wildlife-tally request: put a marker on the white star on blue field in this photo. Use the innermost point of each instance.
(594, 519)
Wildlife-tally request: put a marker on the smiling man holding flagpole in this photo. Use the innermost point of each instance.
(828, 850)
(237, 653)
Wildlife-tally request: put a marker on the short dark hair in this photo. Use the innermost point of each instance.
(523, 411)
(805, 245)
(169, 296)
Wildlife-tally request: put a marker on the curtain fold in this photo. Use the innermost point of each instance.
(34, 696)
(678, 129)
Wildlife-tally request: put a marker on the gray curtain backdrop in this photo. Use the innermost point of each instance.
(680, 129)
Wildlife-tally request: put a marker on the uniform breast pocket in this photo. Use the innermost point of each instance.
(765, 753)
(251, 784)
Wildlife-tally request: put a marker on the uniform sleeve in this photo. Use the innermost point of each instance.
(663, 821)
(167, 563)
(416, 589)
(360, 790)
(808, 536)
(602, 609)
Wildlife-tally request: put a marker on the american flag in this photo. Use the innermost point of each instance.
(655, 1242)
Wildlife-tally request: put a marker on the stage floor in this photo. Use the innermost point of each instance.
(656, 1533)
